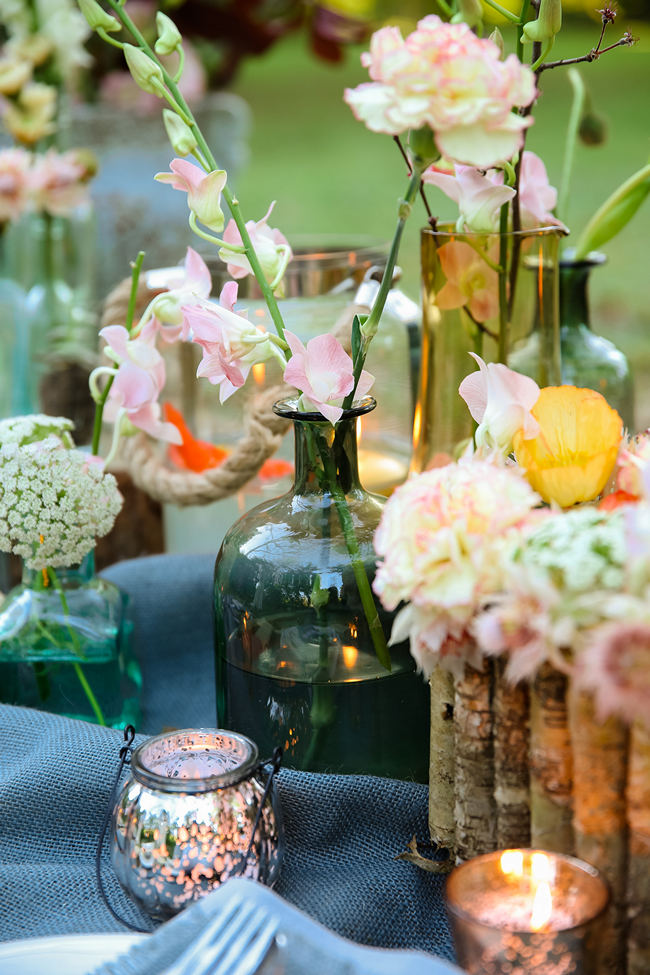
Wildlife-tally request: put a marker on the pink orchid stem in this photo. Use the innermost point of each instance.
(99, 407)
(209, 163)
(372, 322)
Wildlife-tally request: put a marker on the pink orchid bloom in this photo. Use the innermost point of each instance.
(500, 400)
(230, 343)
(166, 309)
(536, 196)
(478, 196)
(470, 281)
(138, 382)
(14, 171)
(270, 245)
(203, 190)
(323, 372)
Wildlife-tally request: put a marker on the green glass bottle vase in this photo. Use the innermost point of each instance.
(64, 646)
(296, 662)
(589, 359)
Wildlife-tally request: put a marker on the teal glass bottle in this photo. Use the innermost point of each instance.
(296, 662)
(65, 648)
(589, 359)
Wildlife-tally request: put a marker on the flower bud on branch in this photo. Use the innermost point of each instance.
(97, 17)
(144, 71)
(169, 37)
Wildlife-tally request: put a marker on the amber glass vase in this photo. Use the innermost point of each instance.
(496, 295)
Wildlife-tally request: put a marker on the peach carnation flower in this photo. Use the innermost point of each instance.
(447, 78)
(445, 537)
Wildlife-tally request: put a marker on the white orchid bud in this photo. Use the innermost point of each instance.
(169, 36)
(179, 133)
(97, 17)
(144, 71)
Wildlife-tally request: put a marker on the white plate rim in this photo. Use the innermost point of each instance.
(89, 944)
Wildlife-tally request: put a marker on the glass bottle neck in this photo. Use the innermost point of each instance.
(574, 300)
(322, 451)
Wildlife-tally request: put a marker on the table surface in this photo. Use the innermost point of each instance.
(343, 833)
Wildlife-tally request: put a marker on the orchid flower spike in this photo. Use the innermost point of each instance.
(500, 400)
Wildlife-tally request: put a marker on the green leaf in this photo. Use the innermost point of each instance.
(615, 213)
(355, 339)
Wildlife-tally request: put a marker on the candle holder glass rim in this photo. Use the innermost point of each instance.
(449, 230)
(244, 769)
(592, 259)
(587, 869)
(288, 409)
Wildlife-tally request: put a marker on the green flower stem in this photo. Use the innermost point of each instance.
(77, 649)
(232, 202)
(359, 569)
(372, 322)
(504, 336)
(508, 14)
(130, 312)
(577, 108)
(523, 16)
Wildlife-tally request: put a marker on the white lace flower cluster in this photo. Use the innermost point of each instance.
(55, 501)
(36, 426)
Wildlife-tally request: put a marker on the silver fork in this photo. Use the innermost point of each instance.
(234, 943)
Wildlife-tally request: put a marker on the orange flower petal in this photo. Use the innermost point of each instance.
(573, 455)
(193, 454)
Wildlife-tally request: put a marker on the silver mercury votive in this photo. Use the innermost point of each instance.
(183, 821)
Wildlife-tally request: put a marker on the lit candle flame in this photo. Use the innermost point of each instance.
(259, 373)
(542, 873)
(359, 429)
(350, 655)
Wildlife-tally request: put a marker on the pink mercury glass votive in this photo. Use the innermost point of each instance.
(518, 912)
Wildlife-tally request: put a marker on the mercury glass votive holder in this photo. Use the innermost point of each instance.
(514, 912)
(184, 820)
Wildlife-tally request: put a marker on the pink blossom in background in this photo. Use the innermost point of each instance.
(471, 282)
(615, 667)
(444, 76)
(500, 400)
(633, 466)
(14, 171)
(324, 373)
(203, 190)
(231, 344)
(270, 245)
(58, 182)
(478, 196)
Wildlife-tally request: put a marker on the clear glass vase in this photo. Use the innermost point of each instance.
(298, 664)
(589, 359)
(64, 646)
(53, 258)
(496, 295)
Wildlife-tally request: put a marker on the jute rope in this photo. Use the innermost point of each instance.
(262, 433)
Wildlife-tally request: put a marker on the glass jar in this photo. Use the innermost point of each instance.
(64, 647)
(298, 663)
(492, 294)
(589, 359)
(184, 821)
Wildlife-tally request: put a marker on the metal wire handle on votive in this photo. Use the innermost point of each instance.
(125, 759)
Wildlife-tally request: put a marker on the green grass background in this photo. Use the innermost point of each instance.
(329, 174)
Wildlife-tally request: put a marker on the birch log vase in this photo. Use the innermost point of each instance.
(638, 881)
(511, 760)
(599, 815)
(474, 805)
(551, 772)
(442, 825)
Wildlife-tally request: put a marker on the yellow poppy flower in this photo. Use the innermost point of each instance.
(573, 455)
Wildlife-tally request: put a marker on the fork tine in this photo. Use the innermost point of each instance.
(253, 940)
(253, 956)
(223, 927)
(238, 927)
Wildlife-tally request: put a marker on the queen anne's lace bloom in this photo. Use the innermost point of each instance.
(55, 502)
(36, 426)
